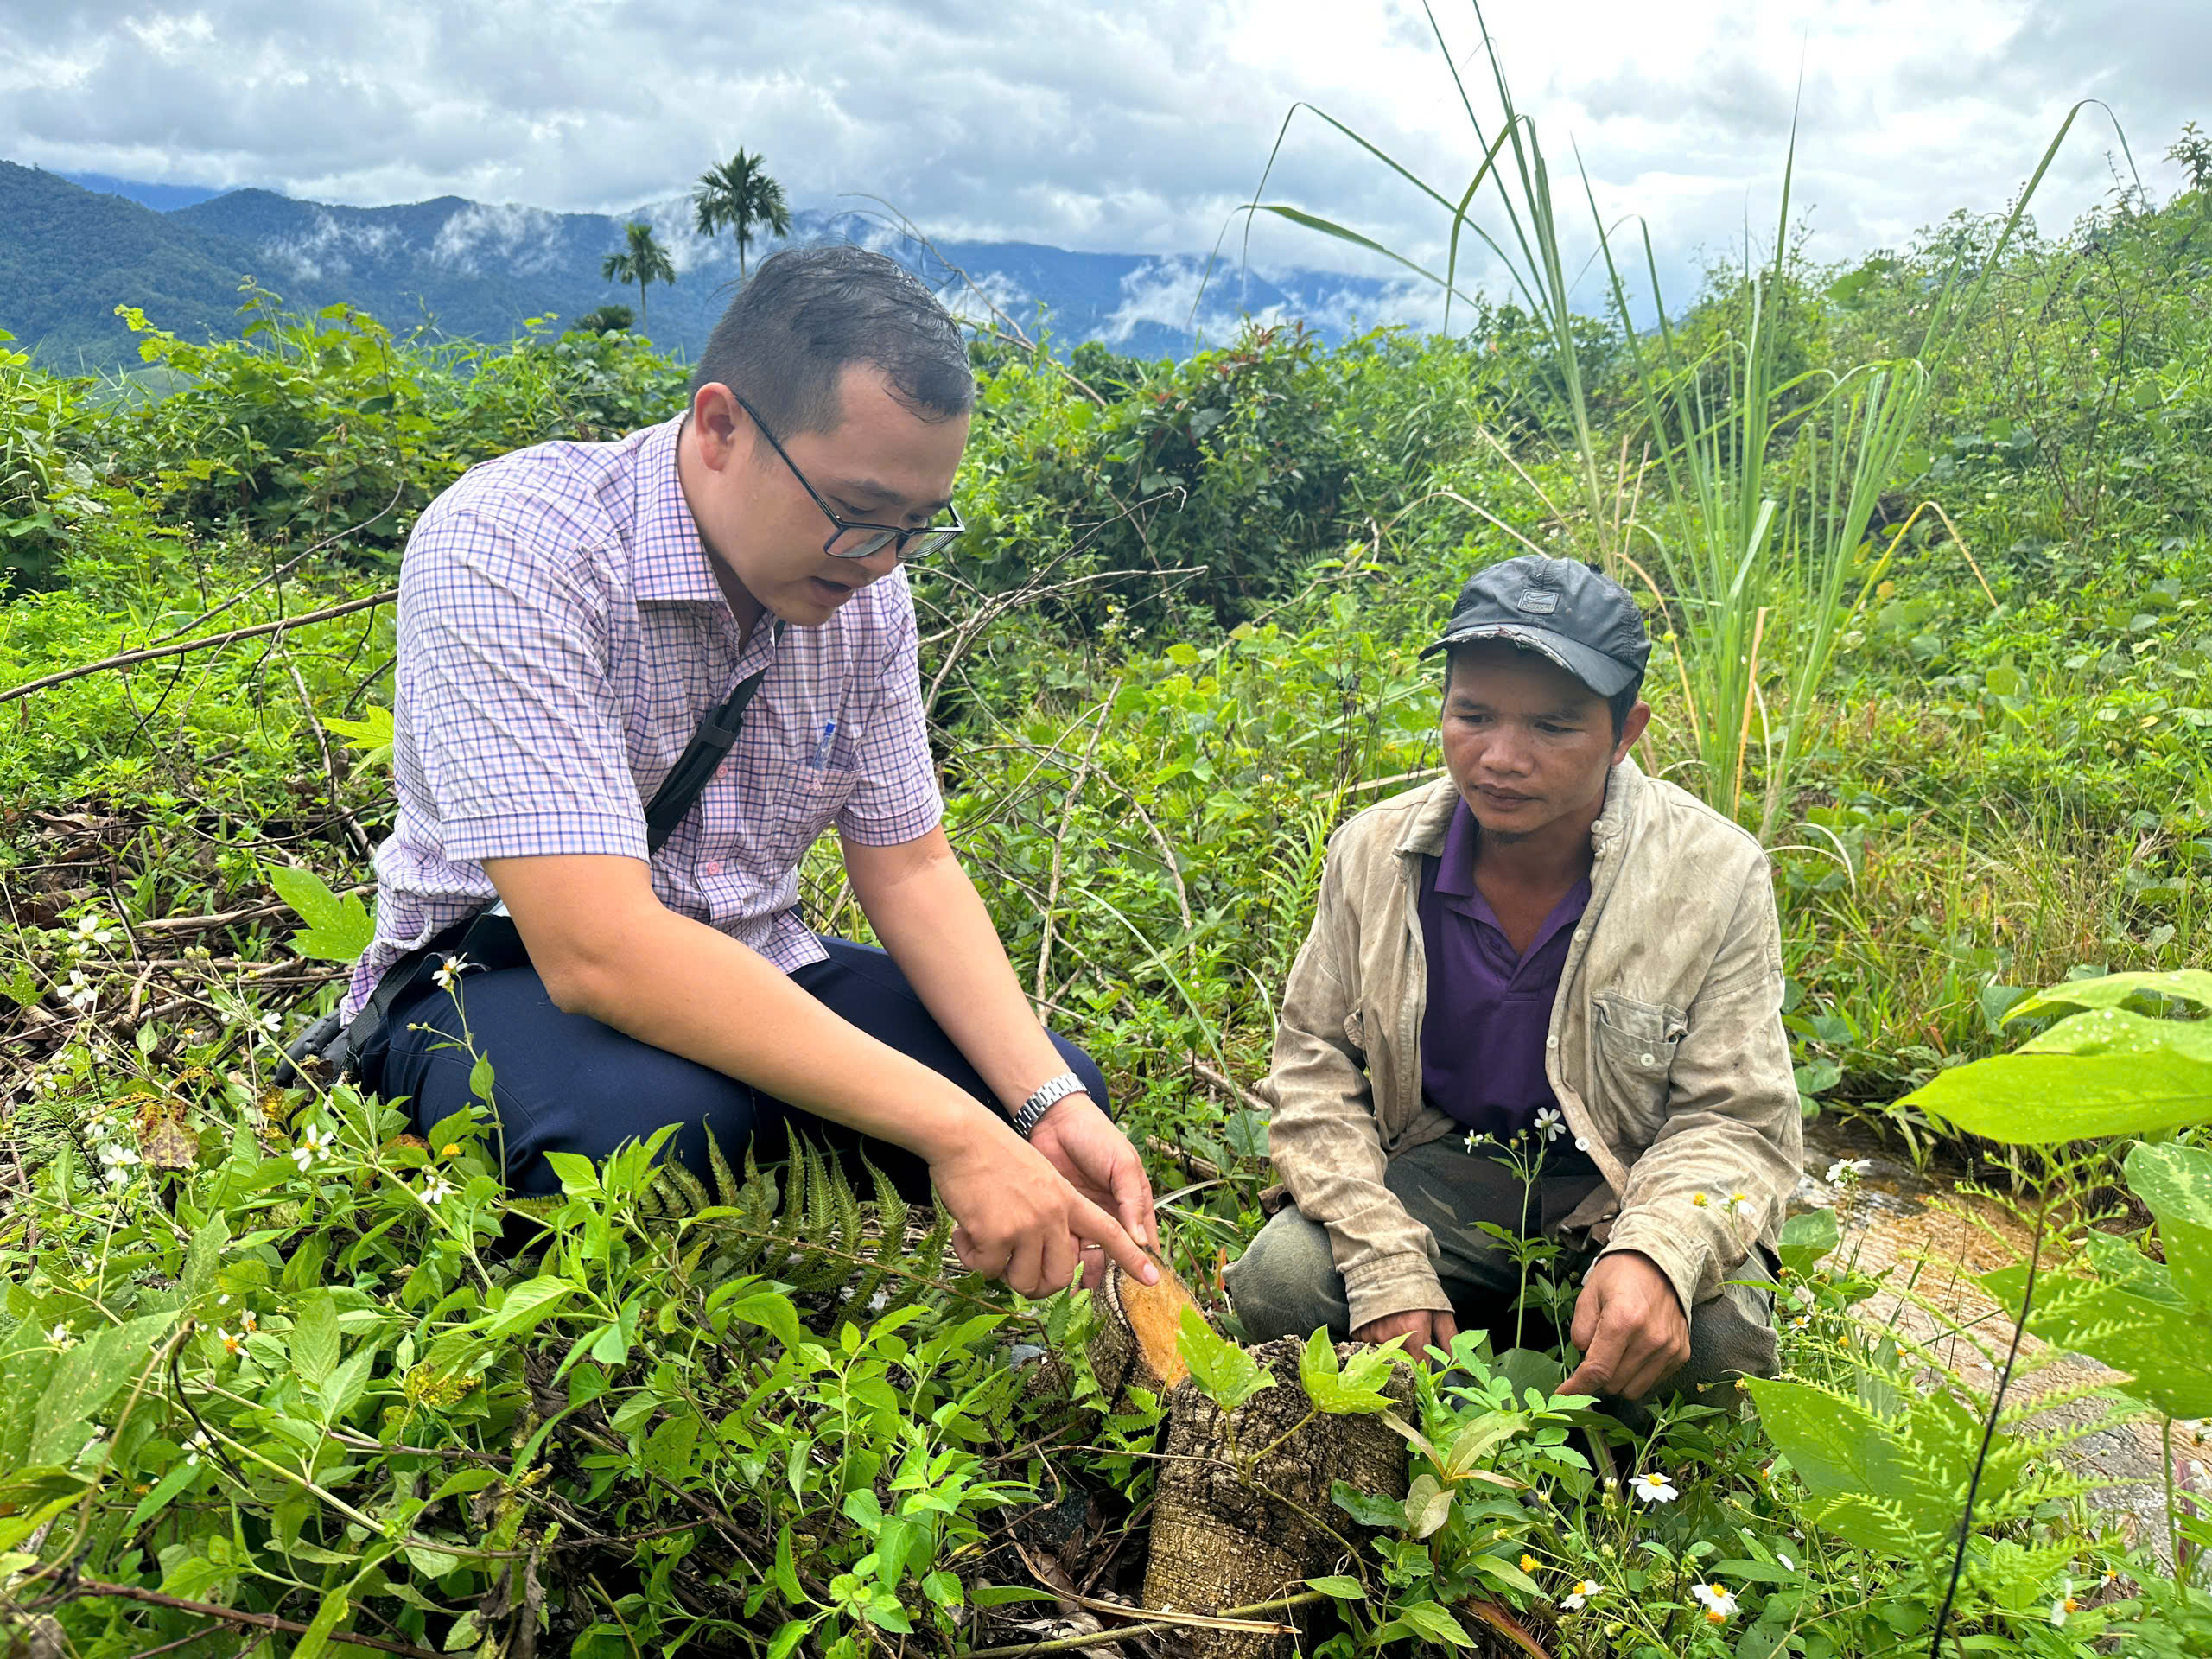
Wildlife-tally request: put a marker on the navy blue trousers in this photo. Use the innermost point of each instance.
(565, 1083)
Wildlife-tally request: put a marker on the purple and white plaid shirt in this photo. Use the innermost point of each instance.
(560, 635)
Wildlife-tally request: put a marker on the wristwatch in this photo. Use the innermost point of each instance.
(1030, 1112)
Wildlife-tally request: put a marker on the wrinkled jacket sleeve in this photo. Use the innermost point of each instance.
(1324, 1139)
(1732, 1135)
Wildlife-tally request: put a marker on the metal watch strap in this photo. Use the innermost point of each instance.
(1030, 1112)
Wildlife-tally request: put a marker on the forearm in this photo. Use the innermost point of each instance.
(681, 986)
(927, 914)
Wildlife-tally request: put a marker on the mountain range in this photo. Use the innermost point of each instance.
(74, 247)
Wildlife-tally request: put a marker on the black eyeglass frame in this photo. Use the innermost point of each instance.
(939, 535)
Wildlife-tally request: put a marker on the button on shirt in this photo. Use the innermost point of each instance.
(561, 633)
(1489, 1010)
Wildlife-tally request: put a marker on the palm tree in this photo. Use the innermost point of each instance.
(643, 262)
(739, 194)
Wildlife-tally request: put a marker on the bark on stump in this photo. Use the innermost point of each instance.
(1222, 1536)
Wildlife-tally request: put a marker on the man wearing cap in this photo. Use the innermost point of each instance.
(1544, 954)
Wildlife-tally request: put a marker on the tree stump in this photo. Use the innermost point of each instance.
(1241, 1512)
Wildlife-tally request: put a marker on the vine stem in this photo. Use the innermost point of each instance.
(1151, 1627)
(1989, 1426)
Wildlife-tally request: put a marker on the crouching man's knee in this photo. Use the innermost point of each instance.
(1286, 1284)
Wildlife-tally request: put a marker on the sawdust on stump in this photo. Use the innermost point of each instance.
(1134, 1343)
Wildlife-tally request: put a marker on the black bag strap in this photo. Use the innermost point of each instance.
(695, 767)
(490, 940)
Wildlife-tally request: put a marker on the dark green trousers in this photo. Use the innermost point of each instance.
(1286, 1282)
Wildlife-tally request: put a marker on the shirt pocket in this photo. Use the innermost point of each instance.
(1635, 1055)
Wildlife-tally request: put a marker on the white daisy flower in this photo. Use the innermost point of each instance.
(1845, 1170)
(1720, 1602)
(1551, 1124)
(195, 1444)
(314, 1148)
(1739, 1203)
(1575, 1600)
(437, 1190)
(2064, 1607)
(1654, 1489)
(80, 993)
(450, 969)
(61, 1335)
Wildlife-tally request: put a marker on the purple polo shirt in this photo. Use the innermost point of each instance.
(1482, 1037)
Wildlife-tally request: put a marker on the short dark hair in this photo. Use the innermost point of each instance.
(1621, 705)
(809, 314)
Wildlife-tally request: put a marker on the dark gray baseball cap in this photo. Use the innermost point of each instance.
(1584, 622)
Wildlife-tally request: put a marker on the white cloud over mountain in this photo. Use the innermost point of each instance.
(1137, 126)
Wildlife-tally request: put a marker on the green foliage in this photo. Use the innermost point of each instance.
(322, 1392)
(2105, 1071)
(642, 260)
(738, 193)
(338, 925)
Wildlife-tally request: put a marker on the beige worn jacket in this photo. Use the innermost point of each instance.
(1666, 1047)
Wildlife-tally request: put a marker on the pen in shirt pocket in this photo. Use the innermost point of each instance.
(822, 744)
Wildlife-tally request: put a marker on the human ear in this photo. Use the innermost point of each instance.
(724, 434)
(1632, 728)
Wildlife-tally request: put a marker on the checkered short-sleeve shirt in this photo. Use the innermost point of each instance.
(561, 633)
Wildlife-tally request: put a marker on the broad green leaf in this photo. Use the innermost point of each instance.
(773, 1313)
(2102, 1073)
(1346, 1394)
(314, 1343)
(528, 1304)
(369, 737)
(1477, 1437)
(786, 1640)
(1225, 1374)
(787, 1570)
(1502, 1571)
(1340, 1585)
(345, 1387)
(1428, 1505)
(1431, 1620)
(338, 925)
(1807, 1237)
(181, 1475)
(1365, 1507)
(14, 1529)
(204, 1255)
(84, 1379)
(2190, 985)
(2176, 1182)
(2165, 1348)
(316, 1642)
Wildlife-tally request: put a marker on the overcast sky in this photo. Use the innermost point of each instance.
(1131, 125)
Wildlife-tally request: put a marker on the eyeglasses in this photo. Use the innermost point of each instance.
(915, 543)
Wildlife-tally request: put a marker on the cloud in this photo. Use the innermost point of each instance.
(1137, 126)
(329, 249)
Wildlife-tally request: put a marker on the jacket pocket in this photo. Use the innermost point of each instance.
(1356, 1032)
(1635, 1045)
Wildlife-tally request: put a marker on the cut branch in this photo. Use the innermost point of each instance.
(208, 642)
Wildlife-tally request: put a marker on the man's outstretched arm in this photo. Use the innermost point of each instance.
(927, 913)
(608, 948)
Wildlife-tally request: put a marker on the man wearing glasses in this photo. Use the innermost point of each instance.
(567, 614)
